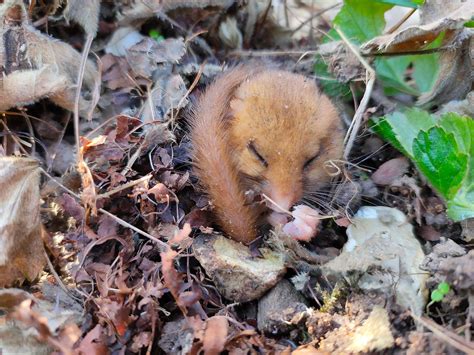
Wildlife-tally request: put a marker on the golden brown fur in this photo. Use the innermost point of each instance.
(266, 130)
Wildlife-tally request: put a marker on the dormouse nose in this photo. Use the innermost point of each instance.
(282, 200)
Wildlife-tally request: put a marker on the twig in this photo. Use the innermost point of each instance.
(107, 121)
(312, 17)
(357, 120)
(58, 279)
(401, 22)
(80, 78)
(415, 52)
(124, 186)
(270, 53)
(445, 335)
(277, 205)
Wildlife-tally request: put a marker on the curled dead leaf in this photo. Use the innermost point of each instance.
(35, 66)
(437, 18)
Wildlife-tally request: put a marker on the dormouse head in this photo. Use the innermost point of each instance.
(282, 132)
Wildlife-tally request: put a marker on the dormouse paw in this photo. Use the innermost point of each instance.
(305, 224)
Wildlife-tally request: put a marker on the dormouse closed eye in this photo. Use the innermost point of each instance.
(254, 151)
(311, 160)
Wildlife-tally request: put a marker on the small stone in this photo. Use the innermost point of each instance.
(278, 307)
(239, 276)
(380, 238)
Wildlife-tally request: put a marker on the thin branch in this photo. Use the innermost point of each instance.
(402, 21)
(445, 335)
(80, 78)
(239, 53)
(357, 120)
(124, 186)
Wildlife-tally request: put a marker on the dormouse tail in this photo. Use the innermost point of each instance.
(212, 157)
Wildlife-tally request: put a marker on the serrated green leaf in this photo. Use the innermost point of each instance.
(437, 155)
(461, 127)
(442, 149)
(401, 128)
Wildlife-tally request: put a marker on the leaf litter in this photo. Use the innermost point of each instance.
(129, 239)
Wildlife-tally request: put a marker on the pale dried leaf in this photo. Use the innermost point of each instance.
(122, 40)
(21, 246)
(85, 13)
(88, 195)
(53, 65)
(167, 96)
(24, 87)
(230, 34)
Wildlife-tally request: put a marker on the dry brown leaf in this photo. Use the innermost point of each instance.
(85, 13)
(170, 50)
(26, 315)
(390, 171)
(455, 76)
(182, 234)
(35, 66)
(21, 245)
(215, 336)
(171, 278)
(88, 195)
(418, 37)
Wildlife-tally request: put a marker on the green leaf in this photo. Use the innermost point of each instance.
(426, 66)
(361, 20)
(391, 72)
(436, 296)
(426, 70)
(443, 287)
(439, 159)
(442, 149)
(401, 128)
(156, 35)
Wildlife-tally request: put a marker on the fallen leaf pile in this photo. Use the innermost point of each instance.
(107, 245)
